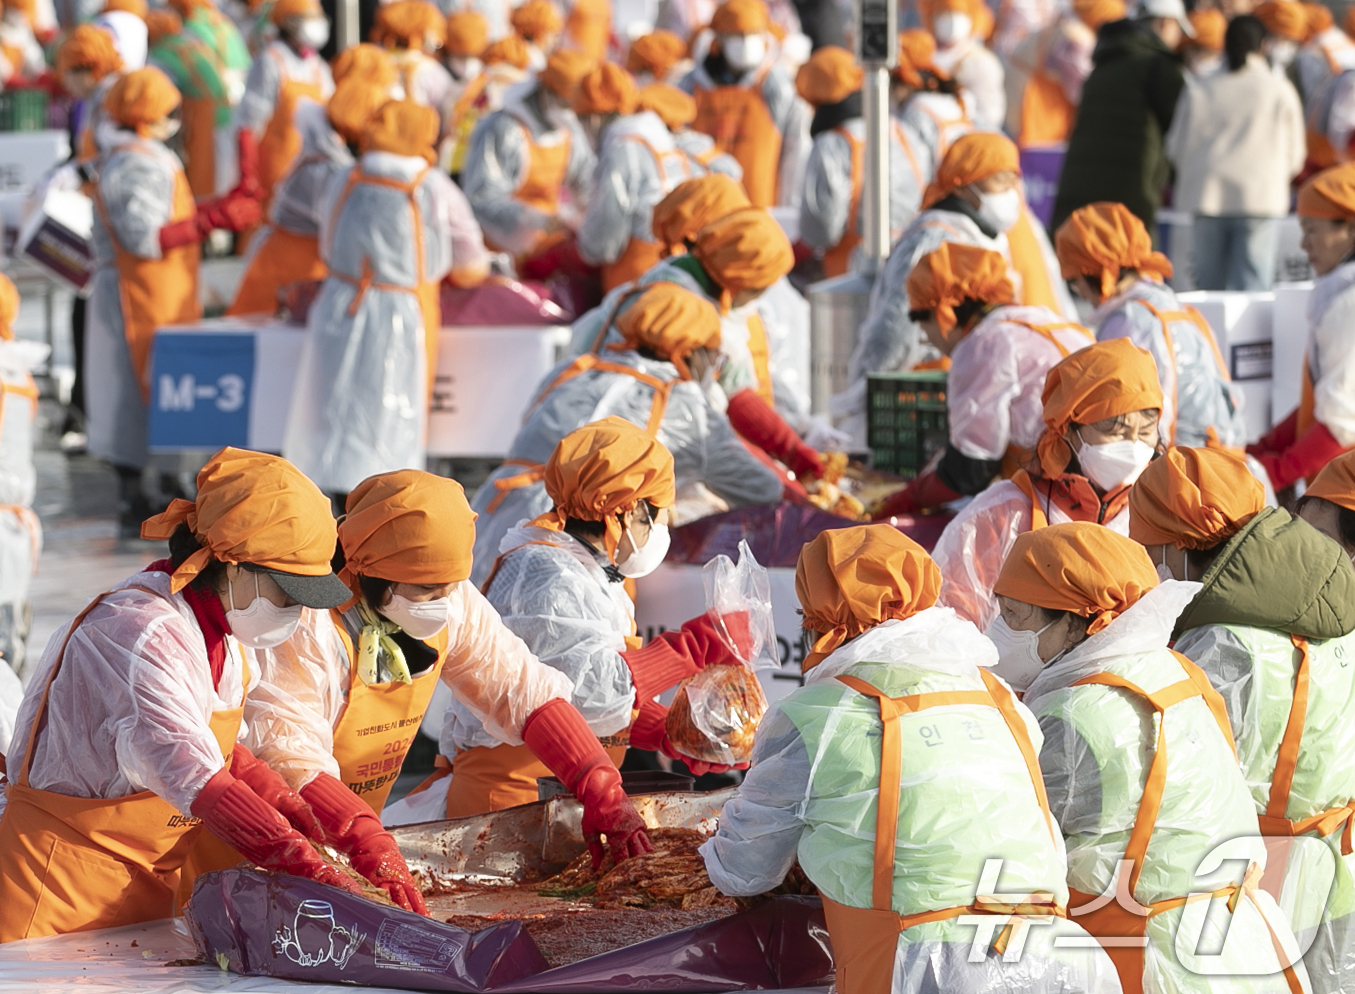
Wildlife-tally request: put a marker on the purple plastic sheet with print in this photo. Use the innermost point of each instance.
(1040, 168)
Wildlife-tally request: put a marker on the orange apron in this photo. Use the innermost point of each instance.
(282, 257)
(761, 352)
(738, 119)
(1037, 289)
(547, 166)
(199, 142)
(640, 254)
(837, 259)
(1196, 318)
(155, 292)
(71, 864)
(1047, 114)
(281, 143)
(1119, 918)
(864, 940)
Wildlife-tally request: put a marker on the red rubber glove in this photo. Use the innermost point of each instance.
(755, 419)
(234, 212)
(273, 791)
(559, 737)
(354, 829)
(247, 147)
(1314, 449)
(238, 817)
(1279, 438)
(922, 493)
(673, 656)
(649, 732)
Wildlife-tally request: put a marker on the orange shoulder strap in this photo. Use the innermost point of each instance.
(589, 361)
(1038, 518)
(901, 137)
(1046, 331)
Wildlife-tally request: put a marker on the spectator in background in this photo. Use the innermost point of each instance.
(1286, 25)
(1204, 52)
(1236, 142)
(1116, 151)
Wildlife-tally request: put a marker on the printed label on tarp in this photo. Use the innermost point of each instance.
(405, 947)
(1253, 361)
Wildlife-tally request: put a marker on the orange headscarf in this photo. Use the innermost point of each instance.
(467, 33)
(161, 24)
(564, 71)
(251, 508)
(409, 527)
(829, 77)
(88, 47)
(1284, 18)
(512, 50)
(536, 18)
(1095, 13)
(141, 98)
(354, 104)
(137, 7)
(605, 469)
(1104, 380)
(973, 157)
(1193, 499)
(608, 89)
(670, 322)
(1210, 26)
(1079, 567)
(1319, 18)
(849, 580)
(952, 273)
(741, 17)
(403, 127)
(410, 22)
(917, 48)
(655, 53)
(1348, 21)
(1336, 482)
(746, 250)
(1330, 195)
(1099, 240)
(9, 307)
(675, 108)
(693, 204)
(284, 9)
(367, 62)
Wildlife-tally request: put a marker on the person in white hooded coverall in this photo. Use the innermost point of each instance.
(1141, 770)
(932, 108)
(961, 54)
(390, 231)
(959, 770)
(655, 376)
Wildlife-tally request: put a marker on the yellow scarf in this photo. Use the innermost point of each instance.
(374, 640)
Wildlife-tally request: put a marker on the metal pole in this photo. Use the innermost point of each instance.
(875, 185)
(346, 29)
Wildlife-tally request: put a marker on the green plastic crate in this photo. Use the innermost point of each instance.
(23, 110)
(906, 420)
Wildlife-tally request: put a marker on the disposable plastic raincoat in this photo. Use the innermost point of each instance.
(938, 119)
(1254, 629)
(705, 448)
(20, 531)
(278, 78)
(814, 786)
(1198, 394)
(425, 80)
(700, 146)
(389, 232)
(1098, 746)
(980, 72)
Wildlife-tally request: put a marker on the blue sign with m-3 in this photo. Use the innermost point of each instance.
(201, 384)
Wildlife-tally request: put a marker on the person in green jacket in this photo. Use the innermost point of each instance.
(1272, 628)
(196, 71)
(1139, 765)
(1116, 151)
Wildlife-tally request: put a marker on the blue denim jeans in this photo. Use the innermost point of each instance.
(1234, 253)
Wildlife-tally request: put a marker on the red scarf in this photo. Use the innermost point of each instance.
(211, 618)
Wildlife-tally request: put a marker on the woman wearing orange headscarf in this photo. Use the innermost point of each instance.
(129, 737)
(503, 66)
(654, 56)
(958, 27)
(88, 64)
(1101, 407)
(1140, 767)
(677, 110)
(927, 102)
(896, 720)
(414, 31)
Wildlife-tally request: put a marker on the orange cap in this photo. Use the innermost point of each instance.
(408, 527)
(1104, 380)
(1210, 26)
(973, 157)
(537, 18)
(137, 7)
(467, 33)
(917, 48)
(1336, 482)
(670, 322)
(1285, 18)
(849, 580)
(1099, 240)
(369, 63)
(141, 98)
(162, 24)
(1330, 195)
(608, 89)
(675, 108)
(251, 508)
(512, 50)
(9, 308)
(604, 469)
(746, 250)
(351, 109)
(411, 23)
(564, 71)
(1080, 567)
(283, 9)
(1095, 13)
(88, 47)
(953, 273)
(1193, 499)
(741, 17)
(403, 127)
(830, 76)
(693, 204)
(655, 53)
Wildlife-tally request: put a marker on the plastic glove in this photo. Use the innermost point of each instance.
(649, 732)
(922, 493)
(233, 212)
(1279, 438)
(559, 737)
(354, 829)
(756, 420)
(1314, 449)
(238, 817)
(273, 791)
(673, 656)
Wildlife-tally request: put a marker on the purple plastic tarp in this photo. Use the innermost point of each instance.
(777, 532)
(503, 302)
(296, 929)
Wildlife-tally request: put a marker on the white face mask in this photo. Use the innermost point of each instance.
(1282, 53)
(646, 558)
(1000, 210)
(951, 27)
(1018, 653)
(560, 117)
(743, 52)
(1114, 464)
(262, 625)
(463, 67)
(419, 619)
(313, 32)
